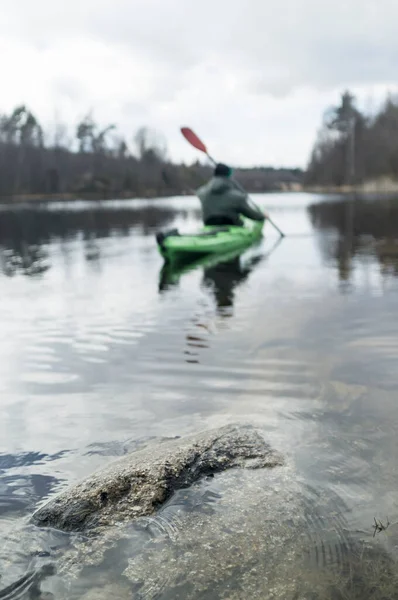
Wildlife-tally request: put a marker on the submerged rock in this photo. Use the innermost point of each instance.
(28, 586)
(140, 483)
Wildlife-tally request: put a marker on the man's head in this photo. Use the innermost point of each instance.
(222, 170)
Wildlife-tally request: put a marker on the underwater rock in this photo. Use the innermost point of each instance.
(141, 482)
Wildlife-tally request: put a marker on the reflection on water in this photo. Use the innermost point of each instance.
(25, 232)
(221, 275)
(103, 348)
(223, 279)
(362, 227)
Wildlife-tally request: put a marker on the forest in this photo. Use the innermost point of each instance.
(102, 162)
(353, 147)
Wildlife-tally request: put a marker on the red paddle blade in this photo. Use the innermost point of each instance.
(193, 139)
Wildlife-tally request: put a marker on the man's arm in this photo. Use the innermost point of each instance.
(247, 208)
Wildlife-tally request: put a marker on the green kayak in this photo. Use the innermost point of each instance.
(174, 246)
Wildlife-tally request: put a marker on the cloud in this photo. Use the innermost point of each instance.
(254, 75)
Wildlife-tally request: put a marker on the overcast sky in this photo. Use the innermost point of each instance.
(252, 77)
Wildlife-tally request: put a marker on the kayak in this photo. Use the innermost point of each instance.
(211, 239)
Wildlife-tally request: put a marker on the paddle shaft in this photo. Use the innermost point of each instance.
(239, 187)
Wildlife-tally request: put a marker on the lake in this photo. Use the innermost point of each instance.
(101, 350)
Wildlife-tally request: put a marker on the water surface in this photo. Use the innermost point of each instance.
(100, 353)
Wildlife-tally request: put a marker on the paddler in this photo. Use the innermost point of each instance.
(223, 203)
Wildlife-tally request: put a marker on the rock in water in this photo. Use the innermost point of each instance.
(139, 483)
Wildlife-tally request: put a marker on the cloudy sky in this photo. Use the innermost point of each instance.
(252, 77)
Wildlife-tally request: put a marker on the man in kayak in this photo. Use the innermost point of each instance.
(223, 203)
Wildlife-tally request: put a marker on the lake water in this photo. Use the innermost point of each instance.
(100, 351)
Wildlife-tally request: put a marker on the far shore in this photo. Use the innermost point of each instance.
(382, 186)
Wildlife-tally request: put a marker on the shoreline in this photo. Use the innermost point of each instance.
(76, 196)
(383, 185)
(95, 197)
(384, 188)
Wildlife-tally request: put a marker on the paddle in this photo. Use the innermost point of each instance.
(197, 143)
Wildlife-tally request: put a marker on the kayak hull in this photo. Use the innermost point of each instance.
(209, 240)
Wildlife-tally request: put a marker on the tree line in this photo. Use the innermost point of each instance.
(101, 162)
(353, 147)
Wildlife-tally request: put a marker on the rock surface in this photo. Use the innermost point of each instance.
(140, 483)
